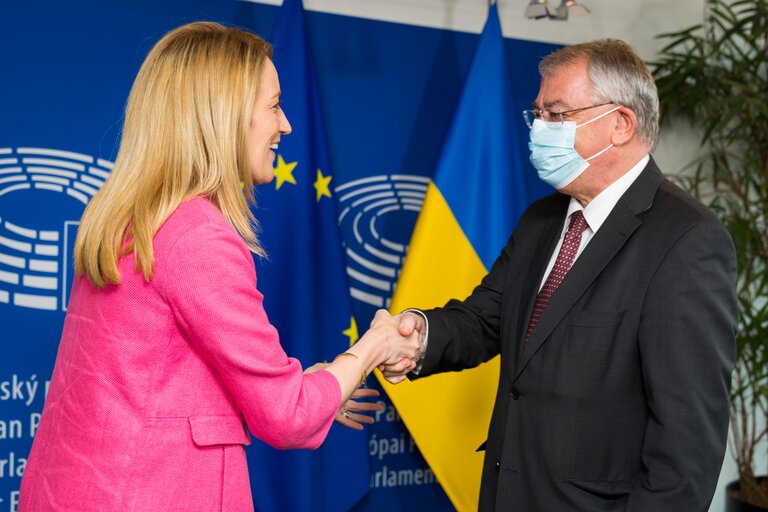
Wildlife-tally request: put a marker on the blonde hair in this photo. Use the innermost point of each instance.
(184, 135)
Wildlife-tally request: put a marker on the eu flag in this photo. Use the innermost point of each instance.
(305, 286)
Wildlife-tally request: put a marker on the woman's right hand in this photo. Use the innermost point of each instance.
(397, 342)
(383, 344)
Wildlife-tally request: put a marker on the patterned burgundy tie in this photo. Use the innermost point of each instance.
(563, 263)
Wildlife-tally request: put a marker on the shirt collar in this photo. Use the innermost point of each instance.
(601, 206)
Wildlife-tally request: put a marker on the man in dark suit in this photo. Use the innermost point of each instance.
(612, 306)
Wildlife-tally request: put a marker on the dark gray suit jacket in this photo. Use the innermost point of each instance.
(619, 400)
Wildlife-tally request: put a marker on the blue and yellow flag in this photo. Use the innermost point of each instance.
(472, 204)
(305, 286)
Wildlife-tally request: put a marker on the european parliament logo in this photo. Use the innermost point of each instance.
(374, 256)
(43, 193)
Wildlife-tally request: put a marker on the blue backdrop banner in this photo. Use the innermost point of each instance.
(387, 92)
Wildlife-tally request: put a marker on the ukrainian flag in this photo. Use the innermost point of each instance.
(471, 207)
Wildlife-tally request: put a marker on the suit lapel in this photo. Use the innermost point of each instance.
(551, 229)
(607, 242)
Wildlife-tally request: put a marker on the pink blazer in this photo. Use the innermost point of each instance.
(154, 383)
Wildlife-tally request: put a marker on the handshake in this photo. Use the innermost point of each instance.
(393, 344)
(401, 339)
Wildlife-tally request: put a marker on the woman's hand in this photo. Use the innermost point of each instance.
(384, 344)
(348, 414)
(387, 331)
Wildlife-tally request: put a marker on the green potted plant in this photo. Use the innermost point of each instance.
(715, 76)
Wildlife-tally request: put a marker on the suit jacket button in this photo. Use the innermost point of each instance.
(515, 394)
(497, 465)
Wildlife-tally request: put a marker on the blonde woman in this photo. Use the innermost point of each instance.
(166, 352)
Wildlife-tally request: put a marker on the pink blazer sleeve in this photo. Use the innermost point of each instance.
(209, 280)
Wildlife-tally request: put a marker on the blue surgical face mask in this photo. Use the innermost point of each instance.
(553, 154)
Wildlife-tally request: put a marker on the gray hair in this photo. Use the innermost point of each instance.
(619, 76)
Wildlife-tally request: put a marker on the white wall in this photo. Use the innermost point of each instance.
(636, 21)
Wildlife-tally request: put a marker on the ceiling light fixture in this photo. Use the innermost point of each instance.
(538, 9)
(572, 8)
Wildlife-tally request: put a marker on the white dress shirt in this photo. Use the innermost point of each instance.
(595, 212)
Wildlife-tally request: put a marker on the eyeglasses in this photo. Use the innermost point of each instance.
(531, 115)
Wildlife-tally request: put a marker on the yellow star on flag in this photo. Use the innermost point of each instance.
(321, 186)
(284, 172)
(351, 333)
